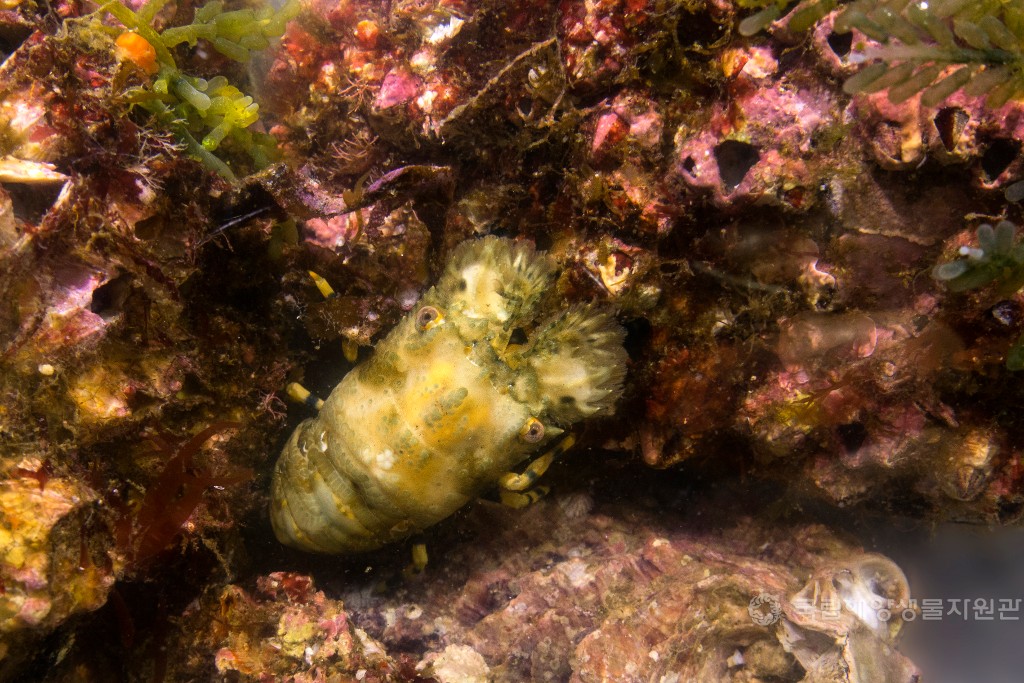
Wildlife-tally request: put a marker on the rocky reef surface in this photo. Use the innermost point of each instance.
(767, 239)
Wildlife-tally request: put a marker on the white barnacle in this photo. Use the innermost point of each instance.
(444, 32)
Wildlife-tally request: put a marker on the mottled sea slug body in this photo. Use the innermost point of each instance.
(446, 404)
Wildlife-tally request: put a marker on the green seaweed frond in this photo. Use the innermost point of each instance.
(204, 113)
(938, 47)
(998, 258)
(931, 47)
(800, 16)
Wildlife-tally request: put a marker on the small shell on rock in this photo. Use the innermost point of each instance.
(13, 170)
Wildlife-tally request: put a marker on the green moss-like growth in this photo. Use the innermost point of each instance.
(202, 113)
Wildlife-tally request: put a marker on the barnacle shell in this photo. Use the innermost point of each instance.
(14, 170)
(438, 413)
(843, 622)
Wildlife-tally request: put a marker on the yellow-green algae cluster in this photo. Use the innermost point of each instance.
(203, 113)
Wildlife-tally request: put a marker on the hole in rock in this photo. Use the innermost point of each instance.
(852, 436)
(108, 299)
(638, 335)
(734, 159)
(840, 43)
(699, 30)
(998, 157)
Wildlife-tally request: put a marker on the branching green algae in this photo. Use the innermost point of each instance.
(200, 113)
